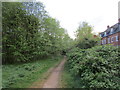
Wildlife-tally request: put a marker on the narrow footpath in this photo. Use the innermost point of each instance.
(53, 79)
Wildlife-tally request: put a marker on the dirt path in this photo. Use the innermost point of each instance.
(53, 79)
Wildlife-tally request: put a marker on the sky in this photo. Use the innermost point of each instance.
(98, 13)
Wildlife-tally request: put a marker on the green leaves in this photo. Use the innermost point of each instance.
(97, 67)
(85, 37)
(29, 33)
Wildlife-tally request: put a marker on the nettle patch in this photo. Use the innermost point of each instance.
(97, 67)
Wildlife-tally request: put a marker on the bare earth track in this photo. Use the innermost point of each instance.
(53, 79)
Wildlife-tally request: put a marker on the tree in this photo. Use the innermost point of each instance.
(29, 33)
(19, 32)
(84, 36)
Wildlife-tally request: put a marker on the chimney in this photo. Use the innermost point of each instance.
(108, 27)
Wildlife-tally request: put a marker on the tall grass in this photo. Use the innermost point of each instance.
(23, 75)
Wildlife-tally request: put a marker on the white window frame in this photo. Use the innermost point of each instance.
(117, 38)
(104, 41)
(109, 40)
(111, 31)
(112, 39)
(105, 34)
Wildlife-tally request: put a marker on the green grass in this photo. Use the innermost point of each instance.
(23, 75)
(69, 81)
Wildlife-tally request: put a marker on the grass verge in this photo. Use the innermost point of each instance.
(23, 75)
(69, 81)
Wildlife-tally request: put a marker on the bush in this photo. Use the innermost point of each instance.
(97, 67)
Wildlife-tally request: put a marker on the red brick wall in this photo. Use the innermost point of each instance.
(115, 43)
(105, 38)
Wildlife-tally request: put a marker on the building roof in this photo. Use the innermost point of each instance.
(111, 30)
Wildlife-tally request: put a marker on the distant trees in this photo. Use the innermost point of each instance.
(29, 33)
(84, 36)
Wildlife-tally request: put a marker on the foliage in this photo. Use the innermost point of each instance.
(67, 79)
(84, 36)
(23, 75)
(29, 33)
(97, 67)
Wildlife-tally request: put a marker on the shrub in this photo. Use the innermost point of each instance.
(97, 67)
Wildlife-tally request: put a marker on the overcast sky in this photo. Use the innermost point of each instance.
(98, 13)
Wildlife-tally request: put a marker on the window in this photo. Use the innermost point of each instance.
(111, 30)
(116, 38)
(108, 40)
(112, 39)
(105, 34)
(104, 41)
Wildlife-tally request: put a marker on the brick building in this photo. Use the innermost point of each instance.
(111, 35)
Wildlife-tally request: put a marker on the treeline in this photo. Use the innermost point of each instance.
(29, 33)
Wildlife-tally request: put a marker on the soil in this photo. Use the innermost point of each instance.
(53, 77)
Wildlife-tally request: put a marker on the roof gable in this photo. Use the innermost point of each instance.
(112, 30)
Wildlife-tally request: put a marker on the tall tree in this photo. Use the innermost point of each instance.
(29, 33)
(19, 31)
(84, 36)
